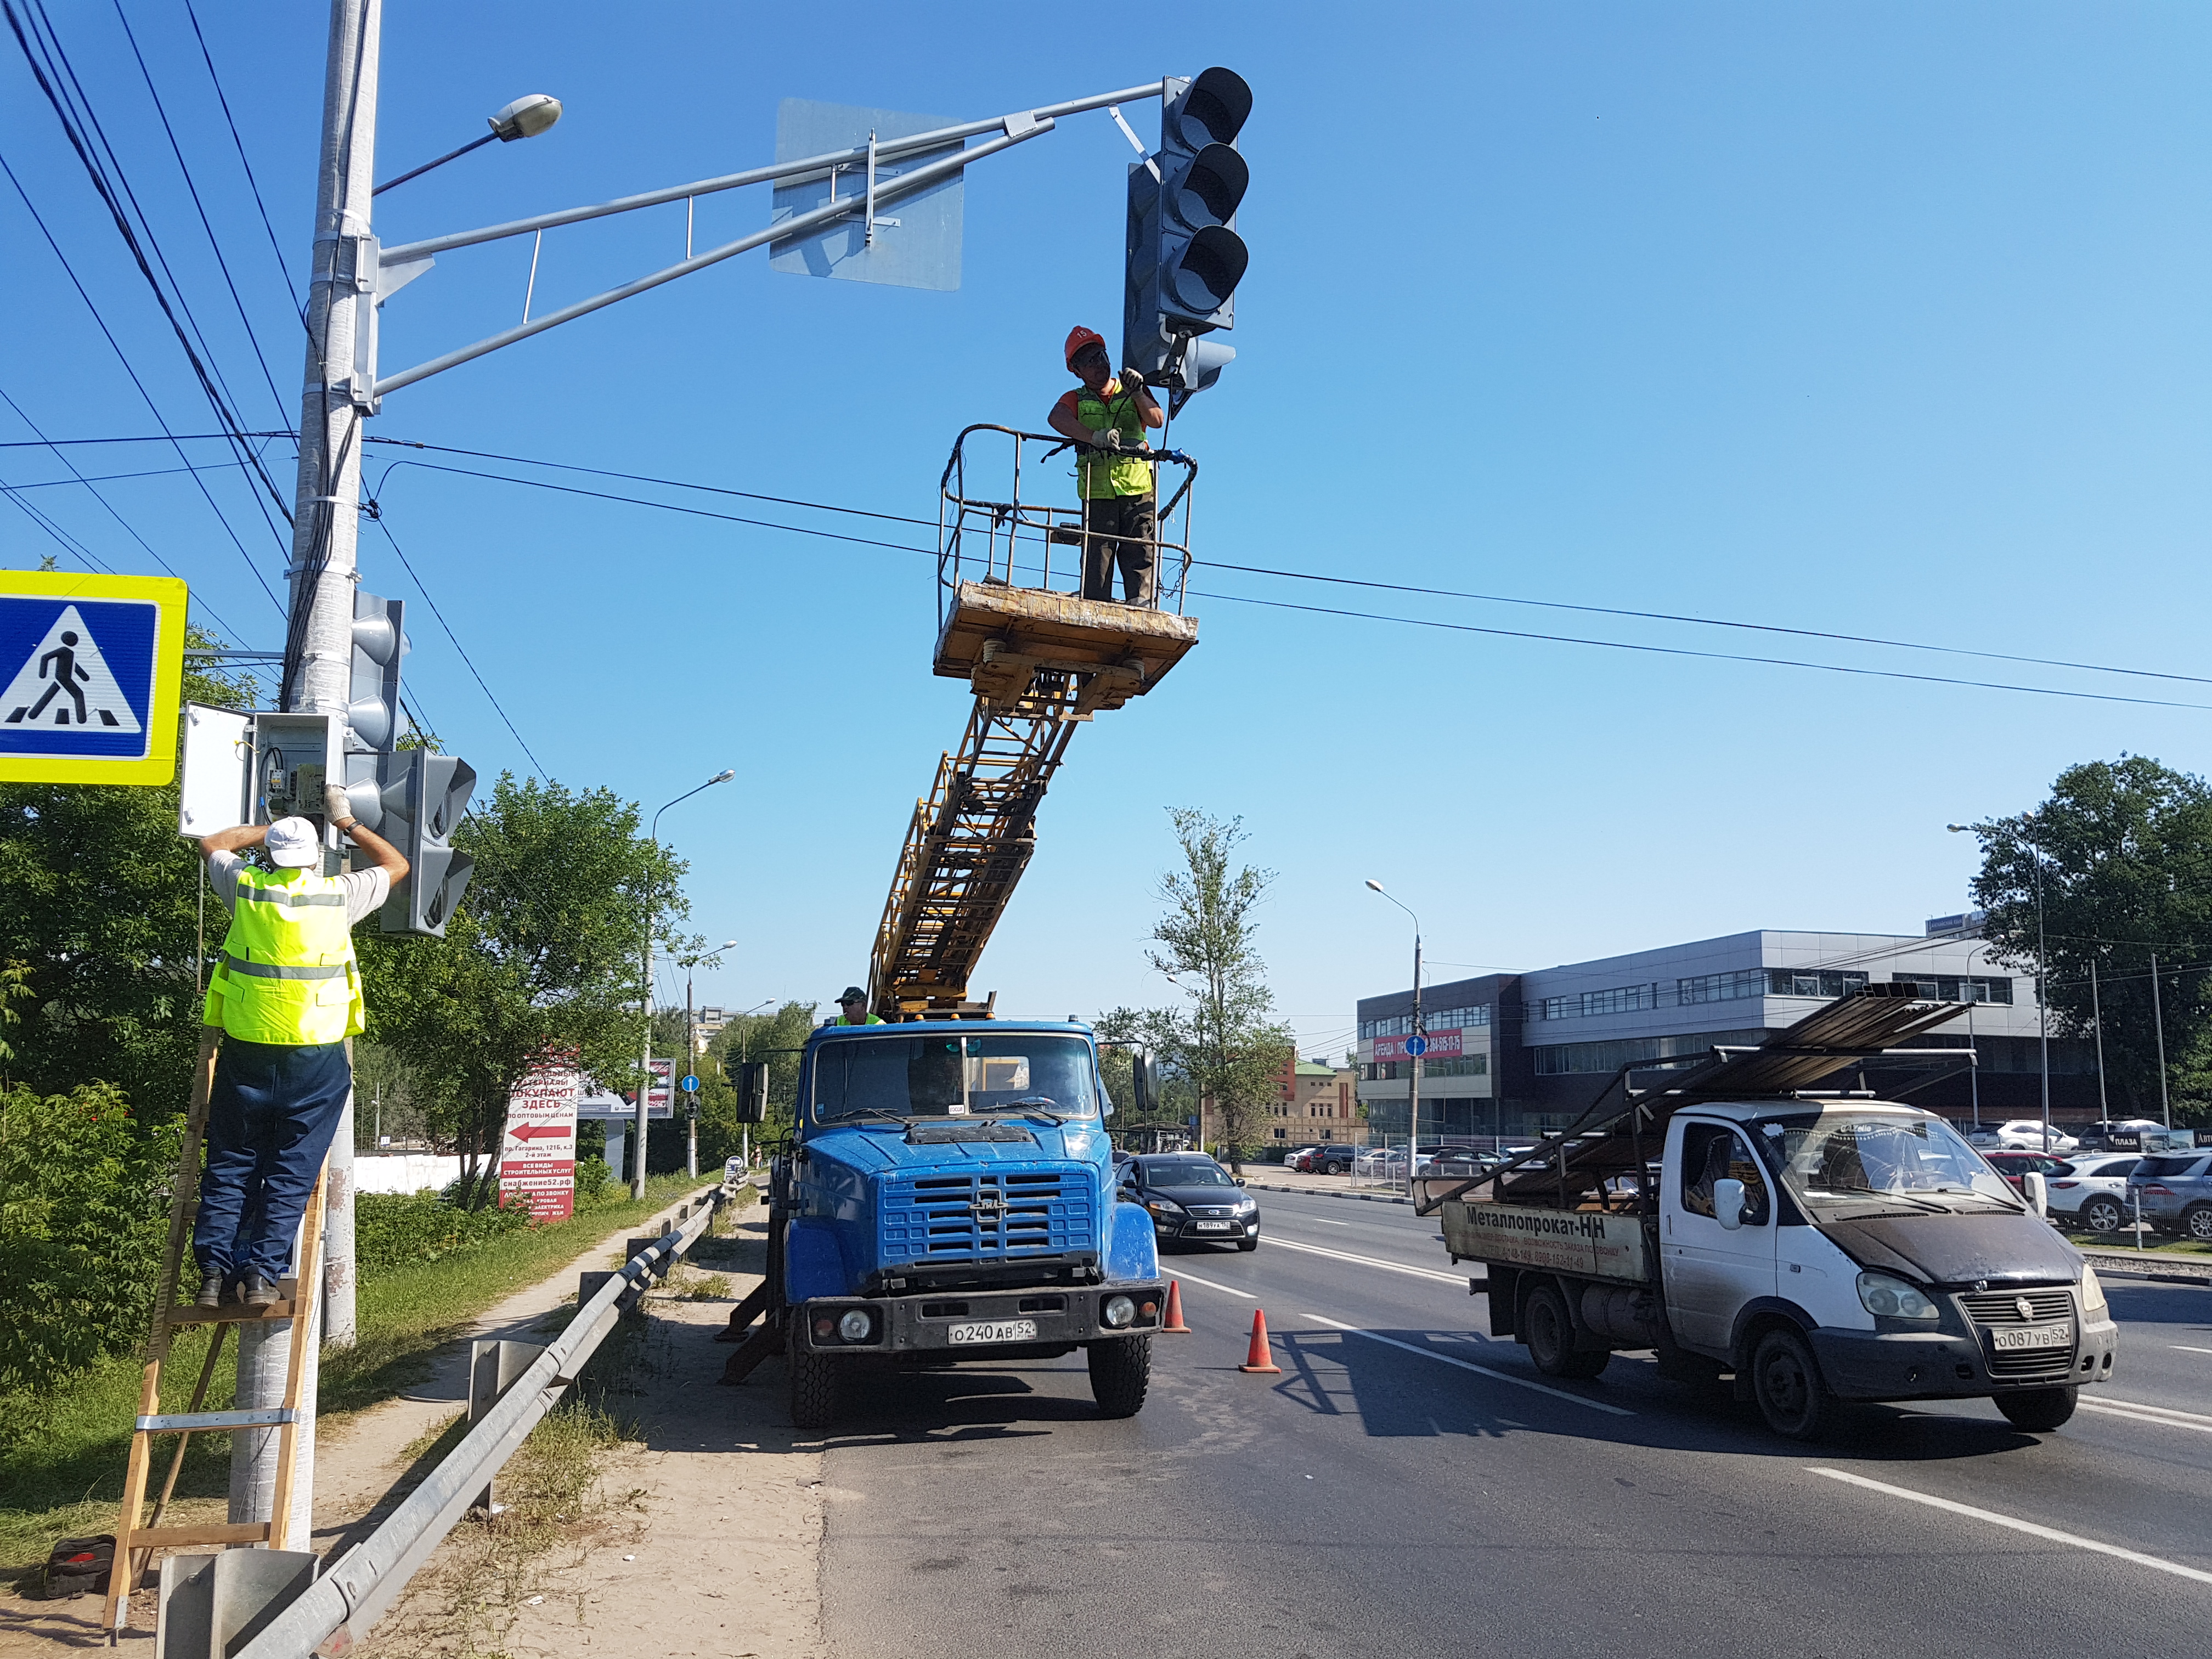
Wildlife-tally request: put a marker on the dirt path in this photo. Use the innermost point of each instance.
(754, 1533)
(705, 1535)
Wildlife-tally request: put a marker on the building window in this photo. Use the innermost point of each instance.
(1721, 987)
(1621, 999)
(1434, 1019)
(1953, 988)
(1468, 1066)
(1564, 1059)
(1813, 982)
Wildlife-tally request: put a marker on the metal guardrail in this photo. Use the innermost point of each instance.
(345, 1600)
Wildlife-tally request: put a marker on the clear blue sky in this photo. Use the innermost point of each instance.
(1877, 319)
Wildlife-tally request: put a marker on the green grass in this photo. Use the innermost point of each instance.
(2153, 1244)
(62, 1451)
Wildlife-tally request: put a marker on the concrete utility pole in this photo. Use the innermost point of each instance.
(319, 640)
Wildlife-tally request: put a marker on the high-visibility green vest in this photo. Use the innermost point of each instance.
(1098, 472)
(287, 974)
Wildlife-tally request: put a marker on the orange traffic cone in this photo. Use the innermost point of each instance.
(1173, 1325)
(1258, 1359)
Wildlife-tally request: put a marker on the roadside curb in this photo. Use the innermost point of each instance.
(2126, 1264)
(1323, 1192)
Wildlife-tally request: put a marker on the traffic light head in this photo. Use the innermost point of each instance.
(1185, 258)
(415, 799)
(379, 642)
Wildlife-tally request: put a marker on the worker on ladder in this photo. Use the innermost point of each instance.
(287, 994)
(1109, 416)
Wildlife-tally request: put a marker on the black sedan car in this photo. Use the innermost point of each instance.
(1192, 1198)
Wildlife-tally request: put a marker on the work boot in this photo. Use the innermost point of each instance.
(255, 1292)
(210, 1296)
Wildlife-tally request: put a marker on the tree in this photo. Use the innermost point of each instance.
(776, 1038)
(1220, 1043)
(543, 956)
(104, 922)
(2126, 850)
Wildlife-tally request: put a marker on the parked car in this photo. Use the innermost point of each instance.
(1326, 1160)
(2176, 1191)
(1192, 1200)
(2014, 1165)
(1291, 1157)
(2119, 1134)
(2092, 1191)
(2028, 1132)
(1388, 1162)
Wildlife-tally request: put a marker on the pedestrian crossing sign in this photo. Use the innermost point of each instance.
(91, 668)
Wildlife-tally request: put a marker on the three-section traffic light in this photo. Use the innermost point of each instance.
(1185, 258)
(379, 642)
(415, 798)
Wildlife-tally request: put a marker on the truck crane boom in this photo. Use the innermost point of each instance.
(1041, 660)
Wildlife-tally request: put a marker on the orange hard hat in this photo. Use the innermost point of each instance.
(1079, 337)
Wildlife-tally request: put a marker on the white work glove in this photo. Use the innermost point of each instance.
(1109, 439)
(336, 807)
(1131, 377)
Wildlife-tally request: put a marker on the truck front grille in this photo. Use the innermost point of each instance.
(2014, 1308)
(996, 1216)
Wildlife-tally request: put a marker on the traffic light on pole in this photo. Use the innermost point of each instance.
(1185, 258)
(379, 643)
(414, 799)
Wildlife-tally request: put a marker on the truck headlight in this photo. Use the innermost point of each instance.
(1891, 1297)
(2093, 1293)
(1119, 1311)
(856, 1326)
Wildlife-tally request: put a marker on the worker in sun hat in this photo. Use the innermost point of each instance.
(854, 1003)
(287, 995)
(1109, 416)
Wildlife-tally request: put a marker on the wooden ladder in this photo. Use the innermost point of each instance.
(135, 1544)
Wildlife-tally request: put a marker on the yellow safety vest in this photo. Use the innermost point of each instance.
(1100, 472)
(287, 974)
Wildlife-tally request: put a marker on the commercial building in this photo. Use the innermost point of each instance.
(1318, 1103)
(1513, 1054)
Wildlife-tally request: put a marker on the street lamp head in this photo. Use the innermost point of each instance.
(1959, 829)
(526, 118)
(728, 945)
(1376, 885)
(724, 776)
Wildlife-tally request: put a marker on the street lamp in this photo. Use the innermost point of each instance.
(526, 118)
(651, 916)
(2042, 976)
(1416, 1044)
(691, 1046)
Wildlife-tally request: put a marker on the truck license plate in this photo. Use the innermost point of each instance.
(1215, 1227)
(992, 1330)
(2031, 1336)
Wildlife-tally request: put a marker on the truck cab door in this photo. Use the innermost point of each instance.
(1711, 1270)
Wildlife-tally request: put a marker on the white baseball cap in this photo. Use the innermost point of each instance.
(293, 843)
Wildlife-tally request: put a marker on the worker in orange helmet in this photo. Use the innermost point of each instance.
(1107, 416)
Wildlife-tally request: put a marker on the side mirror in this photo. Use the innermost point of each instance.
(1239, 1180)
(1728, 1203)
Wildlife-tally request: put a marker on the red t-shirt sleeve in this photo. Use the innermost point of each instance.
(1066, 406)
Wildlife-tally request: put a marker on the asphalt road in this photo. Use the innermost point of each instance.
(1409, 1487)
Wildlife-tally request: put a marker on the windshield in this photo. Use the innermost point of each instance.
(1188, 1172)
(1849, 1157)
(939, 1076)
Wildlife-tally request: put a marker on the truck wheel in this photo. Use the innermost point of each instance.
(1785, 1380)
(813, 1379)
(2103, 1215)
(2038, 1410)
(2197, 1224)
(1551, 1336)
(1121, 1371)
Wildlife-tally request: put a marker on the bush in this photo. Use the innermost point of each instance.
(593, 1176)
(394, 1230)
(84, 1202)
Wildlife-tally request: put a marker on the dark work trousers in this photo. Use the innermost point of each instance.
(1118, 529)
(270, 1116)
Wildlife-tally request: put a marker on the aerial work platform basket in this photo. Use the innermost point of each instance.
(1012, 619)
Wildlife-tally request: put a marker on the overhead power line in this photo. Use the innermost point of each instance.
(283, 271)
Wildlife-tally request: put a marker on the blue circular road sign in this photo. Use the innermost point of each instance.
(1417, 1046)
(689, 1084)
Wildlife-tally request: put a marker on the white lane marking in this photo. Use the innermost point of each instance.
(2050, 1534)
(2160, 1422)
(1230, 1290)
(2183, 1347)
(2145, 1406)
(1280, 1242)
(1466, 1365)
(1326, 1222)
